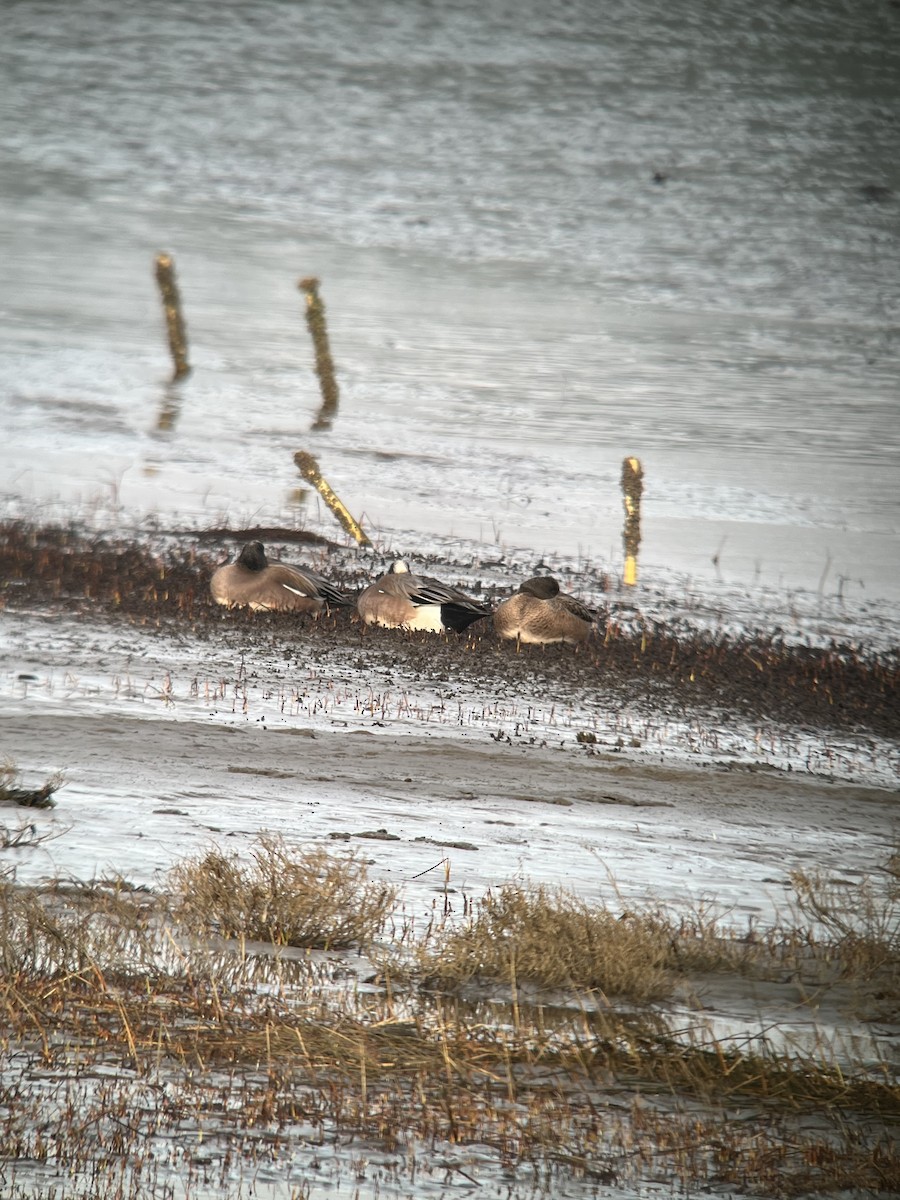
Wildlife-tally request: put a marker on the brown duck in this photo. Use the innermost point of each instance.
(253, 582)
(539, 613)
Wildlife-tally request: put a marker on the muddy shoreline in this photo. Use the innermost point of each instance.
(759, 675)
(493, 807)
(123, 675)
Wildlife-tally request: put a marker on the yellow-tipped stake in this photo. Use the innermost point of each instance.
(632, 487)
(309, 469)
(165, 277)
(315, 319)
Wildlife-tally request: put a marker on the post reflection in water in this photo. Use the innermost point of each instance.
(169, 410)
(632, 488)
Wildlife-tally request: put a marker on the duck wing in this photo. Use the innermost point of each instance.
(577, 609)
(422, 589)
(308, 583)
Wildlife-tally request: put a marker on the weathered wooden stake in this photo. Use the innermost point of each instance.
(165, 277)
(315, 320)
(309, 469)
(632, 488)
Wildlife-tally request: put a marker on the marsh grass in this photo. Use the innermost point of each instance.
(862, 921)
(839, 936)
(550, 937)
(861, 924)
(26, 833)
(13, 792)
(121, 1021)
(68, 931)
(282, 895)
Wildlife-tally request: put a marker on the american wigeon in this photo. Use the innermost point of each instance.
(401, 600)
(539, 612)
(253, 582)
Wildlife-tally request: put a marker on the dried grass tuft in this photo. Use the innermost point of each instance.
(862, 932)
(12, 791)
(51, 932)
(552, 938)
(282, 895)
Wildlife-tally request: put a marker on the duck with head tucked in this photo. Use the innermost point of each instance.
(253, 582)
(540, 613)
(401, 600)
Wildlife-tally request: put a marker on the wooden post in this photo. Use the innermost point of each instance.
(315, 320)
(165, 277)
(309, 469)
(632, 488)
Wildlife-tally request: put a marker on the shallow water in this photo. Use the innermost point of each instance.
(514, 303)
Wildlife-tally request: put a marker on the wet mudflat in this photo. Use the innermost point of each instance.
(658, 652)
(692, 768)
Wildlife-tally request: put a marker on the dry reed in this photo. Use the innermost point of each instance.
(550, 937)
(94, 976)
(290, 897)
(13, 792)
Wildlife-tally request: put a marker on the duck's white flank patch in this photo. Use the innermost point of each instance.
(427, 616)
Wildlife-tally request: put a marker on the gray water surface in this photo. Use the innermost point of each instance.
(546, 239)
